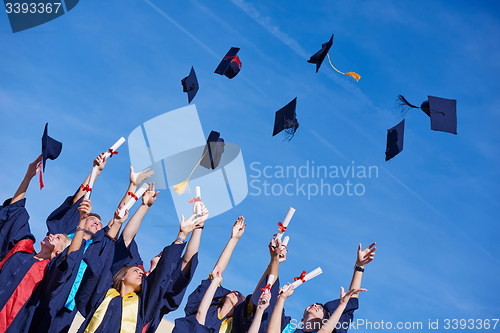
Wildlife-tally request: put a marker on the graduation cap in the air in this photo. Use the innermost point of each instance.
(213, 151)
(319, 56)
(190, 85)
(286, 119)
(210, 158)
(395, 137)
(442, 111)
(230, 65)
(50, 148)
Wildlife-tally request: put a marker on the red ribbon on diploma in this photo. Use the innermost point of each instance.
(301, 277)
(86, 188)
(112, 152)
(281, 227)
(267, 287)
(197, 199)
(133, 196)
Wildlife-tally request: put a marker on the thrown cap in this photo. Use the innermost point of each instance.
(215, 146)
(50, 148)
(394, 140)
(230, 65)
(190, 85)
(286, 119)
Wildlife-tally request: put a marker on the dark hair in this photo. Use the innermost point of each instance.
(118, 277)
(96, 215)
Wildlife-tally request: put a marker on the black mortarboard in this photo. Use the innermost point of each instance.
(443, 114)
(286, 119)
(395, 140)
(319, 56)
(230, 65)
(190, 85)
(215, 147)
(50, 148)
(442, 111)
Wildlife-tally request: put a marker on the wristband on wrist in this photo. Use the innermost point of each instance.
(80, 229)
(182, 240)
(359, 269)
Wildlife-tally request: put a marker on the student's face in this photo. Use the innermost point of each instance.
(93, 224)
(314, 311)
(54, 242)
(133, 278)
(235, 297)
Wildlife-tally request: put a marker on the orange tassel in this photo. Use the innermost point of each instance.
(356, 76)
(181, 187)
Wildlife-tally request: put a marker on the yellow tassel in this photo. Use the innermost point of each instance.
(181, 187)
(356, 76)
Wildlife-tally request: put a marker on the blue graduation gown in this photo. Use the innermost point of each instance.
(345, 318)
(14, 225)
(150, 297)
(243, 313)
(125, 256)
(65, 218)
(173, 293)
(53, 316)
(212, 321)
(56, 275)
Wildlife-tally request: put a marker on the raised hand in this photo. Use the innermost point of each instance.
(286, 291)
(345, 296)
(238, 228)
(264, 299)
(367, 255)
(217, 275)
(138, 177)
(100, 161)
(85, 208)
(34, 167)
(149, 197)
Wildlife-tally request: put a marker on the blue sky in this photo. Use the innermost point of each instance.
(98, 72)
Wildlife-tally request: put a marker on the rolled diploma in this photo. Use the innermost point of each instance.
(115, 146)
(91, 182)
(285, 241)
(197, 204)
(132, 201)
(308, 277)
(286, 221)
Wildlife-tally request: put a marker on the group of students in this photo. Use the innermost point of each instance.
(95, 270)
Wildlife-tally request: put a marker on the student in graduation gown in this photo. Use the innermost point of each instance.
(61, 301)
(22, 269)
(220, 312)
(262, 305)
(132, 301)
(338, 313)
(127, 254)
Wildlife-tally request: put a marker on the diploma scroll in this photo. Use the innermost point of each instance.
(114, 147)
(283, 225)
(307, 277)
(132, 200)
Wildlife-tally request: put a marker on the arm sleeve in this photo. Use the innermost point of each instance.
(14, 225)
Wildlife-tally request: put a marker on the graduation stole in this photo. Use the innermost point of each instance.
(70, 302)
(130, 309)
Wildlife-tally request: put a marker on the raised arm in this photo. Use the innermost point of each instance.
(194, 242)
(236, 233)
(136, 178)
(364, 258)
(330, 325)
(274, 325)
(85, 208)
(201, 315)
(272, 268)
(100, 163)
(130, 230)
(33, 168)
(262, 305)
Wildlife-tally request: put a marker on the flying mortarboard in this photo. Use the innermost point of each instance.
(319, 56)
(230, 65)
(286, 119)
(190, 85)
(442, 111)
(395, 137)
(215, 147)
(210, 158)
(50, 150)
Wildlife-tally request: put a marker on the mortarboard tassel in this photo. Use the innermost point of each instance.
(181, 187)
(356, 76)
(404, 105)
